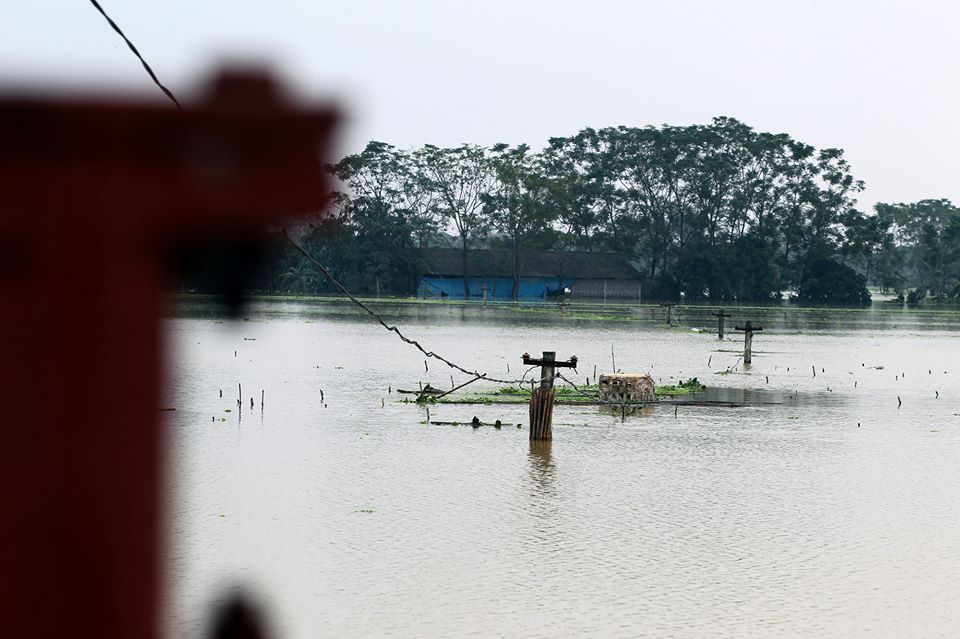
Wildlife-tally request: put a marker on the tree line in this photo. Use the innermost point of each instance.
(716, 212)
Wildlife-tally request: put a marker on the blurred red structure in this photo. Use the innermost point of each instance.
(98, 199)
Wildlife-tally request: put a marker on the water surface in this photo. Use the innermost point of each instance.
(820, 509)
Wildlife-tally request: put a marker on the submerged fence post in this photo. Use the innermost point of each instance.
(669, 306)
(541, 398)
(720, 317)
(748, 332)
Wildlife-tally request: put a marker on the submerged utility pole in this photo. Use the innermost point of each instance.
(541, 398)
(669, 306)
(748, 332)
(720, 317)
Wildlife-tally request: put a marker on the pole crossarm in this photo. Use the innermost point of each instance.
(529, 361)
(721, 316)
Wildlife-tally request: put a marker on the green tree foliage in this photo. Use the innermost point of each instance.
(925, 239)
(380, 215)
(300, 278)
(517, 205)
(698, 204)
(462, 179)
(716, 211)
(826, 280)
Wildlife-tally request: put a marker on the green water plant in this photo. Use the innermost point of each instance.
(587, 394)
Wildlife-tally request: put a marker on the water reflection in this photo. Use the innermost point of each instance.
(622, 411)
(541, 467)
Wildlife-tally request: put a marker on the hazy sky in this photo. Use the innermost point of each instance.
(877, 78)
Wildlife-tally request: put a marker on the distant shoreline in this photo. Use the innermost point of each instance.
(881, 305)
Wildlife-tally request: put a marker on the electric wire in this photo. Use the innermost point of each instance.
(324, 270)
(153, 76)
(393, 329)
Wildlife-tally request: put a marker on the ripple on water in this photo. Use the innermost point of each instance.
(781, 518)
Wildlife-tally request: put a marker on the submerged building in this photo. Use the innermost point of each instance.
(543, 274)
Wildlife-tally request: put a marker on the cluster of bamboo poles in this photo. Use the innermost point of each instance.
(541, 414)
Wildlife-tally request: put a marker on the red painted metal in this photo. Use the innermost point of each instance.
(94, 196)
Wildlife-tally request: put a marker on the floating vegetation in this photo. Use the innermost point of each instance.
(586, 394)
(688, 387)
(472, 398)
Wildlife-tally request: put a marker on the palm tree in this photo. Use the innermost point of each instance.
(300, 279)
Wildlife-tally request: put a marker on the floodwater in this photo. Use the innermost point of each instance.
(828, 506)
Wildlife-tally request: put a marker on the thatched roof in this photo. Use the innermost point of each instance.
(499, 263)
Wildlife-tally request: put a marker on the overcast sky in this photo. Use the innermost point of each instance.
(875, 77)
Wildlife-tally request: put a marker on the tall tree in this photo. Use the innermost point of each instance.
(391, 211)
(461, 177)
(927, 232)
(516, 206)
(572, 186)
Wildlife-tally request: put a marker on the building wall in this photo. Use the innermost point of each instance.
(531, 288)
(498, 288)
(615, 289)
